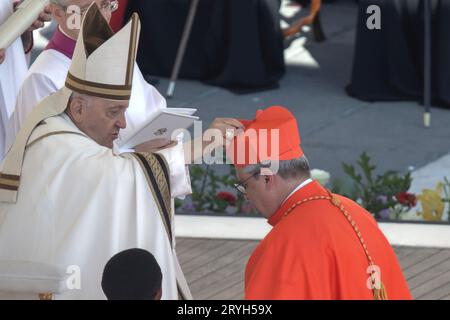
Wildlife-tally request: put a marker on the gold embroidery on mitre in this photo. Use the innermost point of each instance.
(96, 35)
(9, 182)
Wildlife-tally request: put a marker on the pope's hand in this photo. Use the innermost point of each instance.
(227, 126)
(155, 145)
(2, 55)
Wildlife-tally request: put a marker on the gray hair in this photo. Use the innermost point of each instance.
(76, 95)
(287, 169)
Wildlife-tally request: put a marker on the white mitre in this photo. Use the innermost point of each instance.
(102, 66)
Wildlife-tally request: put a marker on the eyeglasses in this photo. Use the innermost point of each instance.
(241, 186)
(111, 5)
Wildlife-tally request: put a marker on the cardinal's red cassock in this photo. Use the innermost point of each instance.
(322, 245)
(313, 252)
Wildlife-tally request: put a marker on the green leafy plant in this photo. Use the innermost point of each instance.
(385, 195)
(211, 192)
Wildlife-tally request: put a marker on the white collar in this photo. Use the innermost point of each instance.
(66, 117)
(301, 185)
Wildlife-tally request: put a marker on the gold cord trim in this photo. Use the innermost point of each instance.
(378, 294)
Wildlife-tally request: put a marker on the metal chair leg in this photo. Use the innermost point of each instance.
(182, 48)
(427, 64)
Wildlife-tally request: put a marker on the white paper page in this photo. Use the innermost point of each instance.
(185, 111)
(161, 126)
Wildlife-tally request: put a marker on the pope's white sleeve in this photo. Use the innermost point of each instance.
(34, 88)
(180, 181)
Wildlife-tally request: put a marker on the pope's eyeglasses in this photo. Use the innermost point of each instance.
(107, 5)
(111, 5)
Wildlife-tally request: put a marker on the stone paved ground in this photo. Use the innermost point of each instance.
(214, 268)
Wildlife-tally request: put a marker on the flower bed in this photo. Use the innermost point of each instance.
(386, 196)
(213, 193)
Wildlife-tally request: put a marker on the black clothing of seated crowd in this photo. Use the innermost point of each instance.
(235, 44)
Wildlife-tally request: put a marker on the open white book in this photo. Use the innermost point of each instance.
(160, 126)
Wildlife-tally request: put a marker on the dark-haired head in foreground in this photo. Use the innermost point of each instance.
(132, 274)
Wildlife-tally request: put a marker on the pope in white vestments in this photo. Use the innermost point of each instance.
(66, 198)
(48, 73)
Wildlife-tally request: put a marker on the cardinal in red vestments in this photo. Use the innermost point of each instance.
(322, 245)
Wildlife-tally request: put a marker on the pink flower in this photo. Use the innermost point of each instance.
(384, 214)
(382, 199)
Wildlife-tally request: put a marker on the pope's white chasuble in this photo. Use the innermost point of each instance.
(79, 204)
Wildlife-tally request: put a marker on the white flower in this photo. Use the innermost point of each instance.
(320, 176)
(231, 210)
